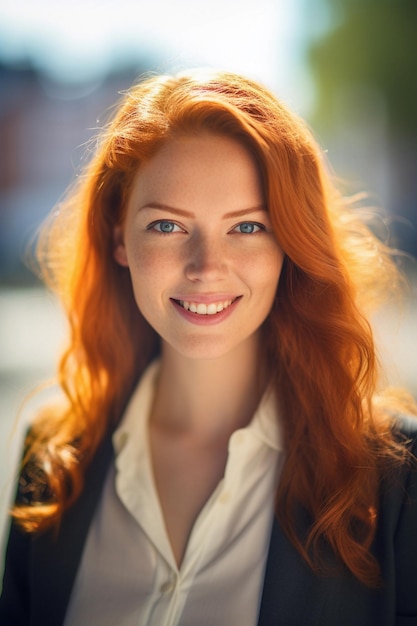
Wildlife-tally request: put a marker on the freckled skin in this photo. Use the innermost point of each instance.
(183, 236)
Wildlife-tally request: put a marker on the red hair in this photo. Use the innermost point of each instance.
(318, 342)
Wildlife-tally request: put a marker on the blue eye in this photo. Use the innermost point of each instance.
(248, 228)
(164, 226)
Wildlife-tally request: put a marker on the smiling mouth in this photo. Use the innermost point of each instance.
(200, 308)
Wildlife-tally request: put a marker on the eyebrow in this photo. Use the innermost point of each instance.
(165, 207)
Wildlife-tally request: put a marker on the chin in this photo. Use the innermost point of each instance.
(210, 349)
(201, 354)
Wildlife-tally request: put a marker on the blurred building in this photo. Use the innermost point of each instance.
(44, 128)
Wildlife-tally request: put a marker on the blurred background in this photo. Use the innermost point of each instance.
(348, 66)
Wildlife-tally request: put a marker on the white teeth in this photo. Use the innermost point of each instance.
(205, 309)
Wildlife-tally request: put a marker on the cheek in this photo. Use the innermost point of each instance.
(144, 257)
(151, 269)
(266, 270)
(276, 266)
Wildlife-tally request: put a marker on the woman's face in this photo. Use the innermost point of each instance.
(198, 242)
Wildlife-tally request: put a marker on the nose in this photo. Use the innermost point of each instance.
(206, 260)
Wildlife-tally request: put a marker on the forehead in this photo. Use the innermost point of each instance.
(196, 165)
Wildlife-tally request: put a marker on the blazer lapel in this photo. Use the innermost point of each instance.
(294, 594)
(56, 554)
(285, 579)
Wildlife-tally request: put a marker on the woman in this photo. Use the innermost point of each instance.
(224, 454)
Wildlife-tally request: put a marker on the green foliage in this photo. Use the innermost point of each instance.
(373, 44)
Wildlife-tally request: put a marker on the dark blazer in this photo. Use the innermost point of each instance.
(40, 571)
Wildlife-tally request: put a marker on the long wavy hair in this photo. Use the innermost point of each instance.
(318, 342)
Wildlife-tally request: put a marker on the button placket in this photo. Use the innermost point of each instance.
(168, 586)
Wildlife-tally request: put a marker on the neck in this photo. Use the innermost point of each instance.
(208, 398)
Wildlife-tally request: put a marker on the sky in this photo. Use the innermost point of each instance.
(81, 39)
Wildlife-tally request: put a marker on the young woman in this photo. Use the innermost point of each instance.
(224, 452)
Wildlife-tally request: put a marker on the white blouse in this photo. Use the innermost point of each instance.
(128, 575)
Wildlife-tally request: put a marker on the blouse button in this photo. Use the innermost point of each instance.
(167, 587)
(224, 497)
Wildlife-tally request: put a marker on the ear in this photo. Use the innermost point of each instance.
(119, 250)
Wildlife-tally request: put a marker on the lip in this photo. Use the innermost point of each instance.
(205, 298)
(206, 320)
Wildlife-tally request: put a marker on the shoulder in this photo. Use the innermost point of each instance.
(398, 487)
(406, 424)
(405, 431)
(398, 481)
(398, 521)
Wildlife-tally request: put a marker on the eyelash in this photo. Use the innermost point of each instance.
(259, 227)
(153, 226)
